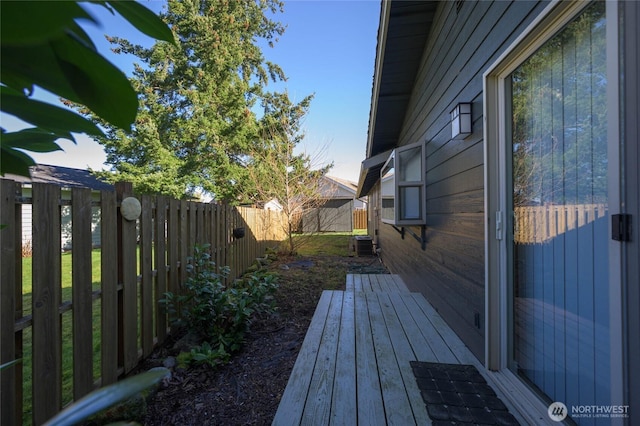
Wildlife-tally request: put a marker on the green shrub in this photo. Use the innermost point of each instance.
(220, 315)
(205, 354)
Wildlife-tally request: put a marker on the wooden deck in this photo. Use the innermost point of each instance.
(353, 366)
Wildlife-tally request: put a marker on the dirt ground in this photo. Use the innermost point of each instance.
(248, 389)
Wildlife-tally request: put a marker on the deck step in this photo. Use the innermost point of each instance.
(354, 366)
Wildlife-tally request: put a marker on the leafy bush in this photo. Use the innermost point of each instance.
(220, 315)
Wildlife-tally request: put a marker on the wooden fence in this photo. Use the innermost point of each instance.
(359, 219)
(140, 260)
(538, 224)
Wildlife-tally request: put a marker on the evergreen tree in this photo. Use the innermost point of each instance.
(43, 45)
(196, 120)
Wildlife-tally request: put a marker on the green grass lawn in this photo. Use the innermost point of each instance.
(330, 243)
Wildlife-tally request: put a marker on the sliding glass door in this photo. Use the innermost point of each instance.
(557, 125)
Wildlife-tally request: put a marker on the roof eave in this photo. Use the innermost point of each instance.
(402, 34)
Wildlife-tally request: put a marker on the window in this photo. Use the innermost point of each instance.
(403, 186)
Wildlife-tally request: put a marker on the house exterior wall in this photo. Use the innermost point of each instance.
(333, 216)
(65, 218)
(467, 40)
(336, 191)
(450, 270)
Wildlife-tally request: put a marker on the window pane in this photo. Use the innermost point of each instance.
(410, 165)
(388, 209)
(388, 192)
(410, 202)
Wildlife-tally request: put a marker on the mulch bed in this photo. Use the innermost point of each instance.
(248, 389)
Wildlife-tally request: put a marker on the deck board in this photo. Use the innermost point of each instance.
(318, 405)
(457, 353)
(344, 384)
(420, 346)
(295, 394)
(404, 354)
(431, 326)
(354, 364)
(394, 396)
(370, 410)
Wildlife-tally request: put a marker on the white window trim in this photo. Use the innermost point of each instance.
(392, 161)
(554, 17)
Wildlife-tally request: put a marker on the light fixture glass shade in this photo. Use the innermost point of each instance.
(461, 121)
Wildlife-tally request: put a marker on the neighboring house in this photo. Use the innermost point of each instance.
(338, 201)
(336, 212)
(66, 178)
(504, 136)
(335, 187)
(273, 205)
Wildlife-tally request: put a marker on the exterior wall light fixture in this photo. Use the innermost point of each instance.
(461, 121)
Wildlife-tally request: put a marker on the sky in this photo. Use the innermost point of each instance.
(328, 49)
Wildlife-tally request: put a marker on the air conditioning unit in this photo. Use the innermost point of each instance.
(364, 245)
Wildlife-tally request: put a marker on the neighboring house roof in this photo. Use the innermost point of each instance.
(344, 182)
(337, 188)
(333, 187)
(62, 176)
(330, 188)
(402, 35)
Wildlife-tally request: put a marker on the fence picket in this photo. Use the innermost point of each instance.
(109, 287)
(146, 273)
(10, 298)
(160, 262)
(192, 211)
(81, 292)
(183, 241)
(173, 250)
(47, 336)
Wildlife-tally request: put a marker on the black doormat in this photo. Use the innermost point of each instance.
(457, 394)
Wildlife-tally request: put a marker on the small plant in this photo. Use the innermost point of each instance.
(219, 315)
(205, 354)
(260, 288)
